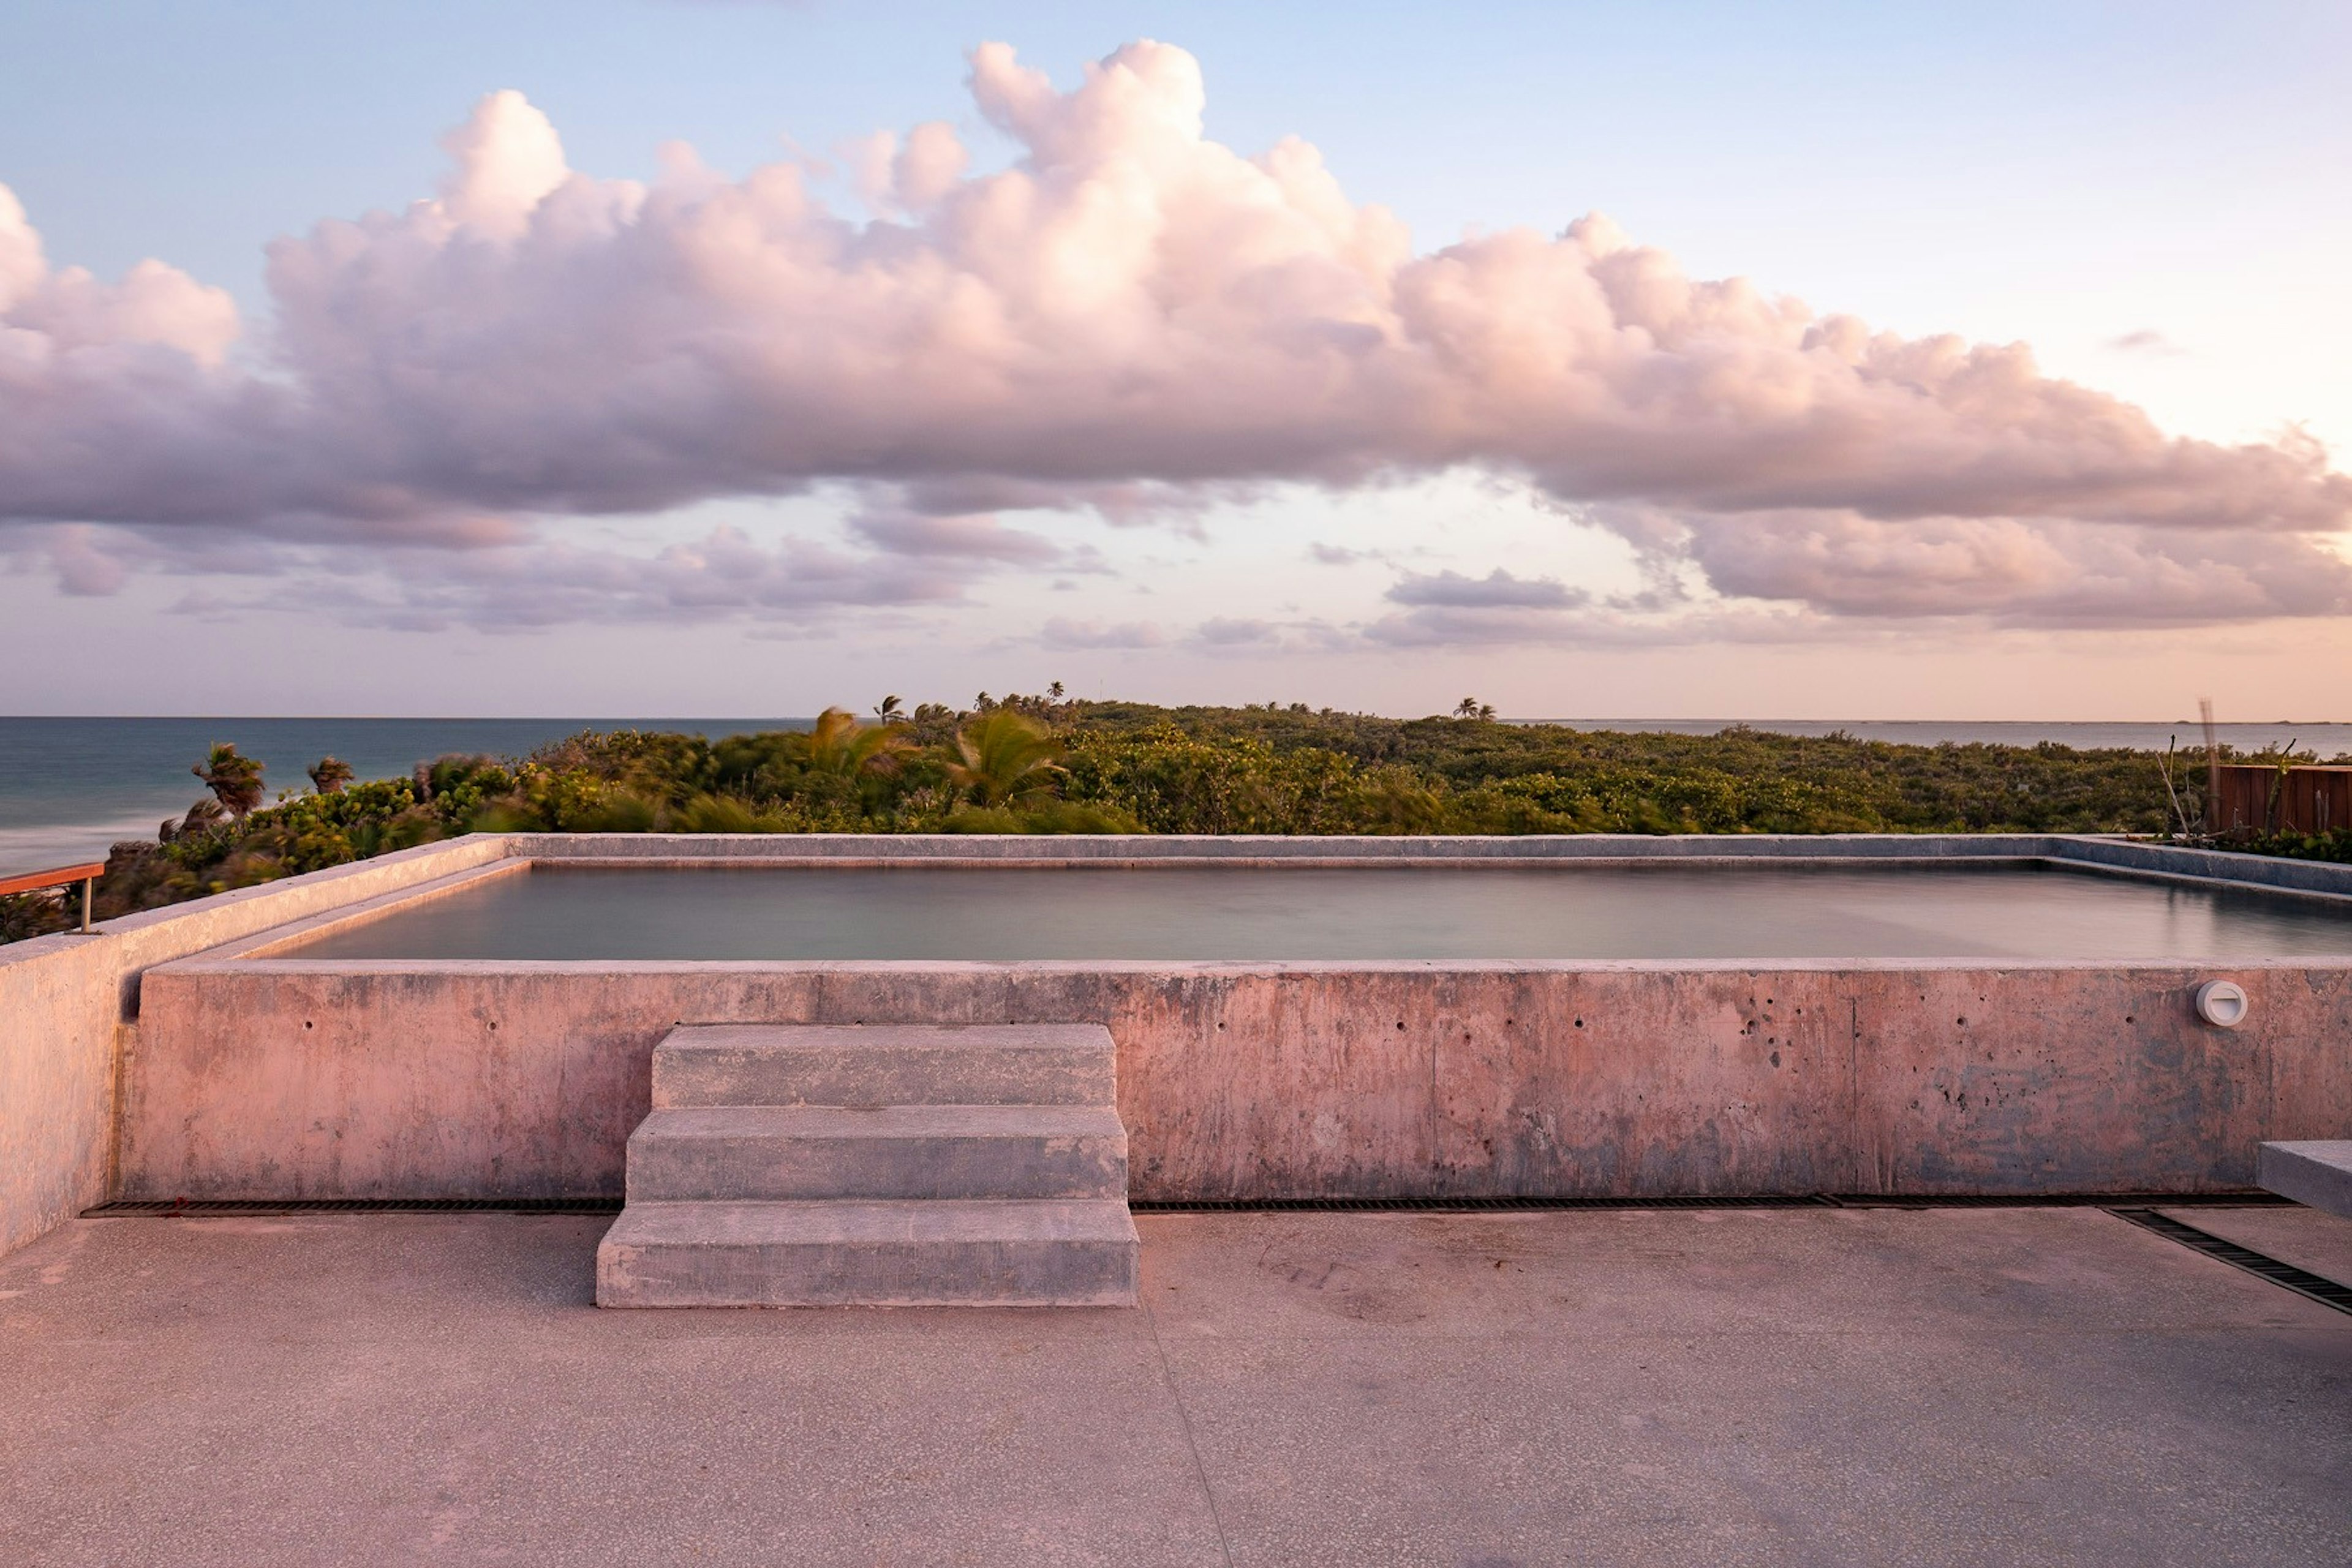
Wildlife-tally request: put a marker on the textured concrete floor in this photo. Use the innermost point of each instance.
(1788, 1386)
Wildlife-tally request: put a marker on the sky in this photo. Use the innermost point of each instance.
(1674, 360)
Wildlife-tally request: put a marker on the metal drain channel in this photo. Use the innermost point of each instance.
(2256, 1199)
(2261, 1265)
(221, 1209)
(1449, 1205)
(2135, 1208)
(202, 1208)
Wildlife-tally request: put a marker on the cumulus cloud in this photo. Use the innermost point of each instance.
(1130, 317)
(1823, 570)
(1498, 589)
(2045, 571)
(724, 575)
(966, 538)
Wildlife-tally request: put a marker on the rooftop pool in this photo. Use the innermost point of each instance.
(1720, 911)
(1294, 1018)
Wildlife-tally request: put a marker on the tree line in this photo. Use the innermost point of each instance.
(1046, 763)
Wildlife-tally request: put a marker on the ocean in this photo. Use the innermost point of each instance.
(70, 787)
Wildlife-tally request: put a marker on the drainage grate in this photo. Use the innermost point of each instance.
(198, 1208)
(1816, 1200)
(1449, 1205)
(2255, 1198)
(214, 1209)
(2302, 1281)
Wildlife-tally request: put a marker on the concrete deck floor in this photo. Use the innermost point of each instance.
(1777, 1386)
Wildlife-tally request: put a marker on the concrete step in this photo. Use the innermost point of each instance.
(885, 1064)
(775, 1153)
(877, 1254)
(2313, 1172)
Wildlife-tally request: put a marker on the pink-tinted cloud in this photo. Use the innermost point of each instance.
(1827, 569)
(724, 575)
(956, 538)
(2146, 341)
(1129, 315)
(1498, 589)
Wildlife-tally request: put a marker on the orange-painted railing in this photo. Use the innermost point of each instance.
(34, 881)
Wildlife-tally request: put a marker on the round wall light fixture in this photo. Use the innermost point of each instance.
(2222, 1002)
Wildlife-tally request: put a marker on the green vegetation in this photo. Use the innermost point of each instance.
(2335, 844)
(1043, 764)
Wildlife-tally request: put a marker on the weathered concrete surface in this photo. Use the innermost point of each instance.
(1806, 1387)
(67, 1005)
(314, 1080)
(784, 1152)
(908, 1064)
(894, 1253)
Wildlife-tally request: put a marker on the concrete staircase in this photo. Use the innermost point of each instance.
(788, 1165)
(2315, 1172)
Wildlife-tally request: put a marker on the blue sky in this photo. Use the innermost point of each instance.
(2153, 196)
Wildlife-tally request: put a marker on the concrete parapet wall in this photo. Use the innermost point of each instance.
(920, 847)
(299, 1079)
(67, 1005)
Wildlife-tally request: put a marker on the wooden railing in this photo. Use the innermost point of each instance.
(34, 881)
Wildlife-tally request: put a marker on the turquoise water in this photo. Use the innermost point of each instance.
(1766, 911)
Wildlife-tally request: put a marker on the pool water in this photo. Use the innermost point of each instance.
(1759, 910)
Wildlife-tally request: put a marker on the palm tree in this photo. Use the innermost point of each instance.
(1004, 757)
(843, 746)
(1469, 708)
(203, 815)
(888, 710)
(234, 781)
(331, 775)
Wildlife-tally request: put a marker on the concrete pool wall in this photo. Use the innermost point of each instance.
(1261, 1080)
(168, 1056)
(68, 1006)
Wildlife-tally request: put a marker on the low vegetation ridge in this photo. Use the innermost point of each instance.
(1045, 764)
